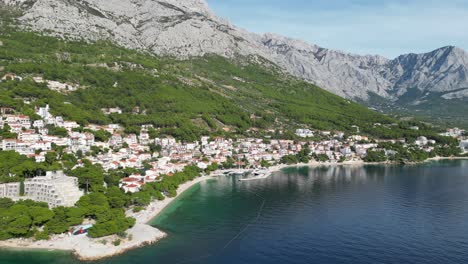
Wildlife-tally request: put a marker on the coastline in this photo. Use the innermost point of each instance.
(446, 158)
(361, 162)
(89, 249)
(156, 207)
(314, 163)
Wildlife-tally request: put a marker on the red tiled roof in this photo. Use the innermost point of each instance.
(129, 179)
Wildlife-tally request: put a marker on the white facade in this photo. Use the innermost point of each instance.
(43, 112)
(10, 190)
(304, 133)
(56, 189)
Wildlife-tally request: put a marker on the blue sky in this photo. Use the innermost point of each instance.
(385, 27)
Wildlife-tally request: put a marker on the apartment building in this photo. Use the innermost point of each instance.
(55, 189)
(10, 190)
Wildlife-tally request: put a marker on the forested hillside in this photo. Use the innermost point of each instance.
(183, 98)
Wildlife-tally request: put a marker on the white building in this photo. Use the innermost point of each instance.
(421, 141)
(304, 133)
(9, 144)
(38, 123)
(108, 111)
(144, 137)
(453, 132)
(43, 112)
(55, 188)
(10, 190)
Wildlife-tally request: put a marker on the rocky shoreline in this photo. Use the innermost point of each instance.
(89, 249)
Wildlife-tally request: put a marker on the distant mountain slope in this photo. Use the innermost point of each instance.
(347, 75)
(188, 28)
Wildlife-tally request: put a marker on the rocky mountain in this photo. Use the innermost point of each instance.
(347, 75)
(186, 28)
(444, 70)
(180, 28)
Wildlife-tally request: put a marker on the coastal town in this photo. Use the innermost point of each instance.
(155, 157)
(144, 161)
(203, 131)
(92, 189)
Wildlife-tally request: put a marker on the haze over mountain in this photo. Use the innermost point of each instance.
(186, 28)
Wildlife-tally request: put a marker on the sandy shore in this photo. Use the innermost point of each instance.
(87, 249)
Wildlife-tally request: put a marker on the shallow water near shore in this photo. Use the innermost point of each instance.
(336, 214)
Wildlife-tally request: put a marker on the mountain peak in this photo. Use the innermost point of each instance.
(447, 50)
(451, 48)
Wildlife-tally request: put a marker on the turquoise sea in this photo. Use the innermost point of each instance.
(341, 214)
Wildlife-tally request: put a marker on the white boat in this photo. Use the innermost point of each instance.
(238, 172)
(257, 175)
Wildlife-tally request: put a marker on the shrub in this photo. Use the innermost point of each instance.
(137, 209)
(122, 234)
(117, 242)
(44, 235)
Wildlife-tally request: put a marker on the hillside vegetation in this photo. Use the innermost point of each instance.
(208, 95)
(428, 107)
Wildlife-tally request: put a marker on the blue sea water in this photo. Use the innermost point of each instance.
(342, 214)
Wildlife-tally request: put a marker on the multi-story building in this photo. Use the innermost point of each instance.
(304, 133)
(9, 144)
(55, 188)
(43, 112)
(10, 190)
